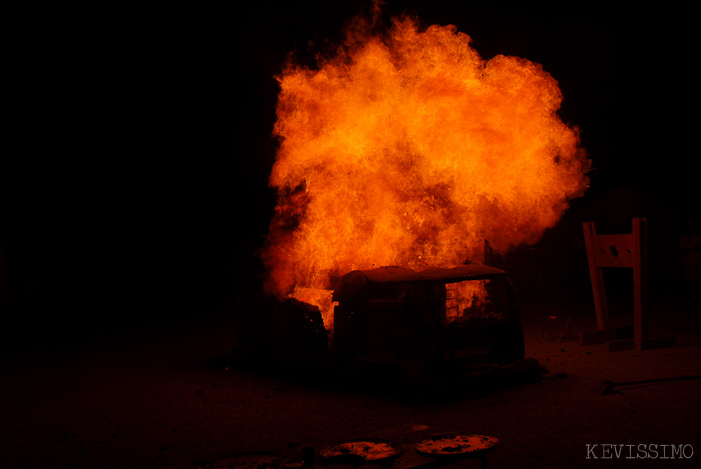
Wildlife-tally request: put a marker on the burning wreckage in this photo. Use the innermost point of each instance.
(435, 323)
(406, 148)
(428, 319)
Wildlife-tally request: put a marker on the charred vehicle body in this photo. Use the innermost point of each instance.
(434, 321)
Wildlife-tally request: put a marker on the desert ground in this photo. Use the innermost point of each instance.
(168, 392)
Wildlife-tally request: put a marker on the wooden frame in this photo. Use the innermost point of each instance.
(620, 251)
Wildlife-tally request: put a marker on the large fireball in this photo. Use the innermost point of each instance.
(407, 148)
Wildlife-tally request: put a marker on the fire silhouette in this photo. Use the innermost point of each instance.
(407, 148)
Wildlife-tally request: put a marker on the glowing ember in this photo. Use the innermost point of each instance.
(407, 148)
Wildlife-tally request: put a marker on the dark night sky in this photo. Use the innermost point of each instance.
(147, 133)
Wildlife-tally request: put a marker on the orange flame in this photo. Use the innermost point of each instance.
(409, 149)
(461, 296)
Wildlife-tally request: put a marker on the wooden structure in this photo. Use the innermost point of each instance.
(615, 251)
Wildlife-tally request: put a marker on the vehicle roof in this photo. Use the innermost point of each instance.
(393, 274)
(356, 282)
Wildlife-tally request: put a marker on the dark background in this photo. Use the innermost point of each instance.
(138, 183)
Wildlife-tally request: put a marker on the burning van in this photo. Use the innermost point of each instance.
(429, 321)
(406, 147)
